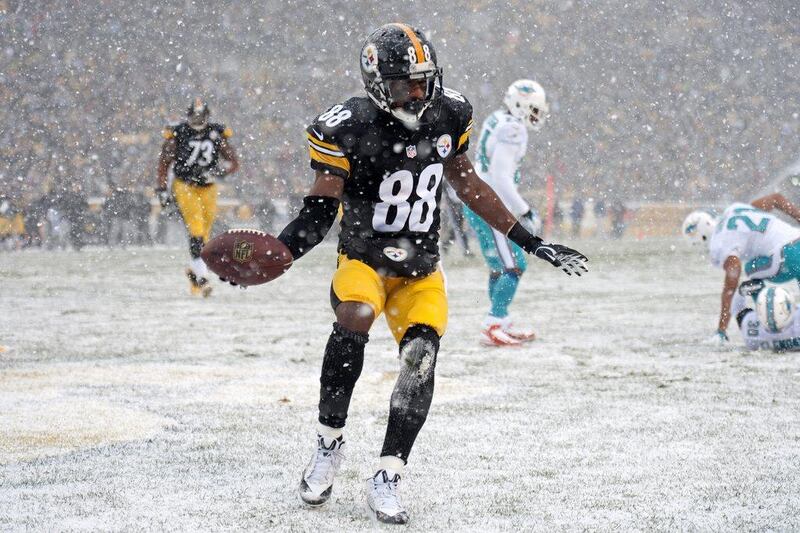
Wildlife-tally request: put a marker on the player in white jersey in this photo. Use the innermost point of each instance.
(502, 145)
(756, 334)
(747, 236)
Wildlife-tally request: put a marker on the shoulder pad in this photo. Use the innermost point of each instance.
(458, 112)
(337, 118)
(325, 133)
(216, 126)
(457, 103)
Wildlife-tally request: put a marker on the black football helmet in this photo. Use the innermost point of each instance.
(401, 76)
(198, 114)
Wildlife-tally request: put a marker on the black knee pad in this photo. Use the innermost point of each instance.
(341, 368)
(344, 357)
(418, 350)
(195, 246)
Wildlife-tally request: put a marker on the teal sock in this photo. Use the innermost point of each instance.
(502, 293)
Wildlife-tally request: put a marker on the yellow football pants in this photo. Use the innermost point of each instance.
(405, 301)
(198, 207)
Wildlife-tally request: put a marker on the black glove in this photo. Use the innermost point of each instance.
(569, 260)
(164, 197)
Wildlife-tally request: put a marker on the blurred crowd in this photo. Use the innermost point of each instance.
(690, 101)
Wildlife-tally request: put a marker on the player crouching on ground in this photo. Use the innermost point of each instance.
(382, 157)
(747, 237)
(195, 147)
(767, 315)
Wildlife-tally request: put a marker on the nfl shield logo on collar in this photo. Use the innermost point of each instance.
(411, 151)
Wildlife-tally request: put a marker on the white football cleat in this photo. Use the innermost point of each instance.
(495, 336)
(383, 499)
(316, 484)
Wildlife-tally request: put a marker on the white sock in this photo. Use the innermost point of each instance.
(329, 434)
(198, 267)
(392, 464)
(493, 321)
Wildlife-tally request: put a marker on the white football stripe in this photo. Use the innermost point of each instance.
(318, 148)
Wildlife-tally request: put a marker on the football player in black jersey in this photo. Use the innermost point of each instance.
(194, 149)
(383, 158)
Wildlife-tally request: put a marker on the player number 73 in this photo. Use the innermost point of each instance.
(208, 152)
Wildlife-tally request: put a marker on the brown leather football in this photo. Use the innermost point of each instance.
(246, 256)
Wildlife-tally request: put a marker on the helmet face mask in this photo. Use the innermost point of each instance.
(198, 114)
(526, 100)
(401, 77)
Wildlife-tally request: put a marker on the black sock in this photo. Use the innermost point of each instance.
(341, 367)
(195, 246)
(413, 391)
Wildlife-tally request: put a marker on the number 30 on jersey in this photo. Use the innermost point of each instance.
(396, 189)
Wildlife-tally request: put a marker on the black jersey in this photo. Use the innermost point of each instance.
(197, 152)
(393, 179)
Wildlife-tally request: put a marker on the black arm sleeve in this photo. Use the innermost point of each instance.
(310, 226)
(524, 238)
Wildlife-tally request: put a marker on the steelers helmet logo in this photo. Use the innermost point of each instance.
(444, 144)
(369, 58)
(242, 251)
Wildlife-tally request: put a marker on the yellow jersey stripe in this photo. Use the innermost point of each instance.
(316, 141)
(464, 137)
(414, 41)
(338, 162)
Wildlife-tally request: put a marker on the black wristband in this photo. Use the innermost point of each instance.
(310, 226)
(524, 238)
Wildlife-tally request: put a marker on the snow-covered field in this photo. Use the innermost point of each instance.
(127, 405)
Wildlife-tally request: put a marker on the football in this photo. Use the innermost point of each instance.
(246, 256)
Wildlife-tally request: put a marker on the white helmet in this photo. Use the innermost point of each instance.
(698, 227)
(775, 307)
(526, 100)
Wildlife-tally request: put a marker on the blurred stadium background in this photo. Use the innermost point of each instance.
(656, 107)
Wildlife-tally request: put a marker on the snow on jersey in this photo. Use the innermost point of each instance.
(754, 236)
(197, 152)
(755, 336)
(392, 179)
(501, 147)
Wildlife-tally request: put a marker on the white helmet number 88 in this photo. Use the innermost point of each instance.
(418, 218)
